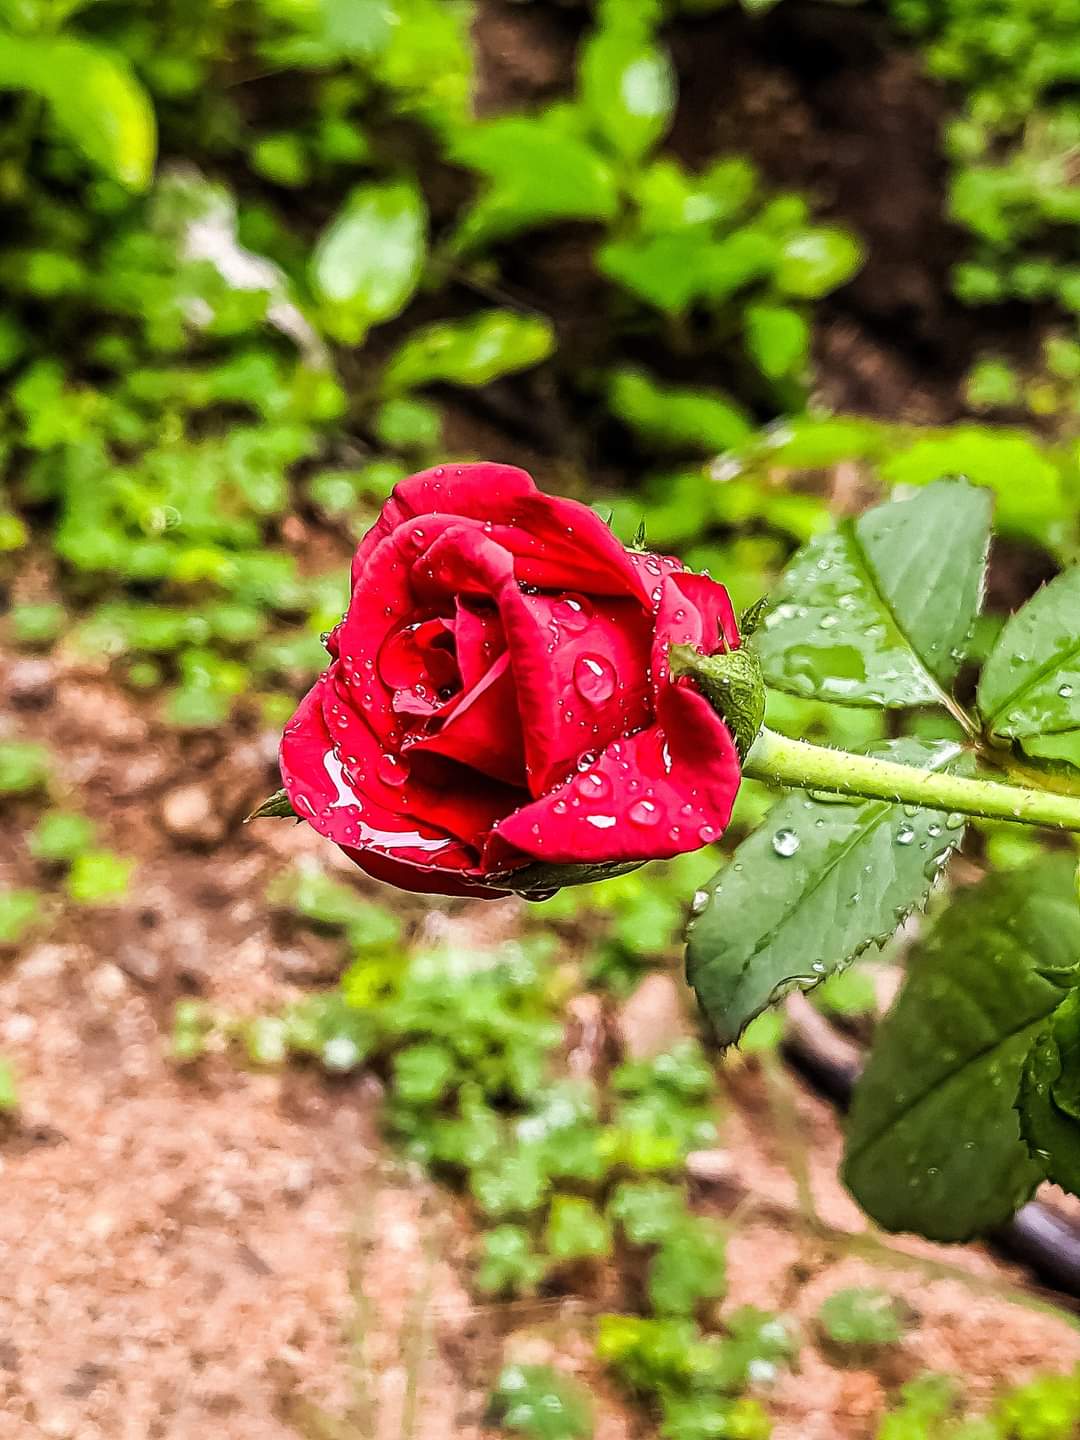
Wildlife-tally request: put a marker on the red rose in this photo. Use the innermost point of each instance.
(499, 694)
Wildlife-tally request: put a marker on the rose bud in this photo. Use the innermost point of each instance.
(499, 712)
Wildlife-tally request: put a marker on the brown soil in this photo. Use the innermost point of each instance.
(236, 1254)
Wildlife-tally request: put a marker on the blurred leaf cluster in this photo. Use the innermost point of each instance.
(278, 316)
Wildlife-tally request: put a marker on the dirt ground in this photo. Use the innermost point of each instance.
(234, 1254)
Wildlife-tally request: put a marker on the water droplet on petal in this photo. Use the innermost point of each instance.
(644, 812)
(595, 786)
(573, 613)
(785, 843)
(391, 770)
(602, 822)
(594, 678)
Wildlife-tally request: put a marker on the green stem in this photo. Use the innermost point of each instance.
(781, 761)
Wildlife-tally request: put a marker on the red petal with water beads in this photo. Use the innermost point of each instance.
(420, 881)
(481, 729)
(360, 797)
(558, 544)
(663, 791)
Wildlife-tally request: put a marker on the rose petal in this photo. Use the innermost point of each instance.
(478, 640)
(664, 791)
(321, 790)
(693, 610)
(417, 879)
(557, 543)
(383, 605)
(579, 679)
(576, 690)
(482, 729)
(427, 791)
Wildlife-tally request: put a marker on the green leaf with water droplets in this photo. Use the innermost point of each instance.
(811, 889)
(1049, 1098)
(1029, 689)
(879, 611)
(934, 1142)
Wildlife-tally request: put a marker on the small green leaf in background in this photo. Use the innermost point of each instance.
(539, 1403)
(367, 262)
(509, 1264)
(862, 1315)
(314, 895)
(648, 1211)
(576, 1230)
(9, 1087)
(423, 1074)
(470, 352)
(407, 424)
(676, 269)
(879, 611)
(98, 877)
(94, 98)
(689, 1267)
(37, 626)
(627, 87)
(24, 767)
(777, 339)
(1027, 483)
(20, 911)
(513, 1182)
(933, 1140)
(536, 174)
(1049, 1099)
(1029, 689)
(816, 885)
(674, 417)
(813, 262)
(60, 836)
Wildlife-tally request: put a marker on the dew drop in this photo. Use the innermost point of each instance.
(707, 833)
(595, 786)
(905, 835)
(954, 821)
(391, 770)
(594, 678)
(785, 843)
(700, 900)
(572, 613)
(1065, 691)
(601, 822)
(644, 812)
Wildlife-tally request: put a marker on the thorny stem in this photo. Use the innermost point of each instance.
(781, 761)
